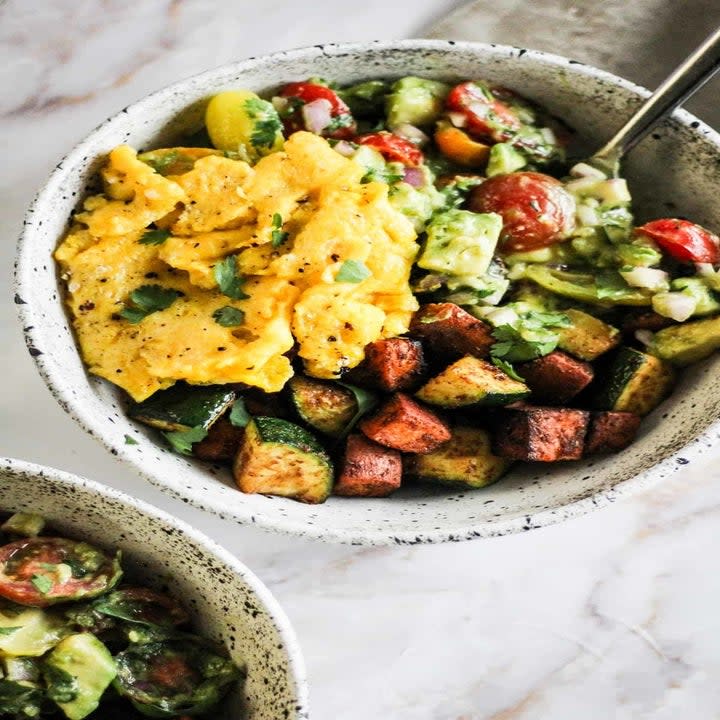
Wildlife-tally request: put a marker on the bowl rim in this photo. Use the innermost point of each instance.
(51, 371)
(296, 662)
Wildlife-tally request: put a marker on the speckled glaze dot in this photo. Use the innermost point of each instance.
(228, 604)
(677, 168)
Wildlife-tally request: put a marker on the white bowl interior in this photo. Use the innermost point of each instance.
(227, 603)
(672, 172)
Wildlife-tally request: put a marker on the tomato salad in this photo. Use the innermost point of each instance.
(548, 322)
(76, 641)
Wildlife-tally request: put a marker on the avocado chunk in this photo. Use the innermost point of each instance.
(25, 524)
(416, 101)
(29, 631)
(504, 158)
(460, 242)
(77, 673)
(687, 343)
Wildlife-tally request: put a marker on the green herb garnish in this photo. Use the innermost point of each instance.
(148, 299)
(239, 416)
(229, 316)
(9, 630)
(266, 122)
(507, 368)
(42, 584)
(365, 400)
(154, 236)
(533, 336)
(182, 440)
(352, 271)
(229, 282)
(130, 440)
(278, 235)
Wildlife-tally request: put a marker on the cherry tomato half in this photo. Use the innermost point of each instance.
(683, 240)
(393, 148)
(342, 127)
(536, 209)
(487, 117)
(42, 571)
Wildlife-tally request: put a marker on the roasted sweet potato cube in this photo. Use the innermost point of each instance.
(556, 378)
(449, 330)
(611, 432)
(368, 469)
(405, 425)
(221, 443)
(389, 365)
(541, 434)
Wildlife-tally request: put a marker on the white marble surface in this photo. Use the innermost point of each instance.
(612, 616)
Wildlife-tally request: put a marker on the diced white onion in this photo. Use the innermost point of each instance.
(410, 132)
(547, 135)
(617, 191)
(705, 269)
(645, 277)
(580, 184)
(317, 115)
(344, 148)
(458, 119)
(644, 336)
(280, 103)
(584, 170)
(502, 316)
(587, 215)
(675, 305)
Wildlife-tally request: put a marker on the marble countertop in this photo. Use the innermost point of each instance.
(610, 616)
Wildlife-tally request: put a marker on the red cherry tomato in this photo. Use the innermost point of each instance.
(393, 148)
(343, 126)
(536, 209)
(43, 571)
(487, 117)
(683, 240)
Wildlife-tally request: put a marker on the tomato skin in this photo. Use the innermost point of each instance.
(393, 147)
(31, 558)
(683, 240)
(486, 118)
(307, 92)
(536, 209)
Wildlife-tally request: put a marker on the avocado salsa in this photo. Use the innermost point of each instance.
(76, 642)
(548, 322)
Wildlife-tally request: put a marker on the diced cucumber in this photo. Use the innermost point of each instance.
(687, 343)
(279, 458)
(471, 381)
(587, 337)
(416, 101)
(183, 407)
(466, 460)
(637, 383)
(325, 406)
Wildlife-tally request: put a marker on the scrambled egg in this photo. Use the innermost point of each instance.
(291, 222)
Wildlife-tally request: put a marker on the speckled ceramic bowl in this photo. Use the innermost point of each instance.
(228, 604)
(673, 171)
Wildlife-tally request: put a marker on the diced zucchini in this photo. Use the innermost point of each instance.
(466, 460)
(587, 337)
(471, 381)
(77, 672)
(277, 457)
(25, 524)
(416, 101)
(183, 407)
(687, 343)
(29, 632)
(325, 406)
(637, 383)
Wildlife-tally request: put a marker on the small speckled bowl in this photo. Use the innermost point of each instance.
(672, 172)
(227, 603)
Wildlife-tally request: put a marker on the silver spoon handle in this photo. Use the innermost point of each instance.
(688, 77)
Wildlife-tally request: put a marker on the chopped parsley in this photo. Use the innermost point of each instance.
(148, 299)
(229, 316)
(154, 236)
(182, 440)
(352, 271)
(278, 235)
(239, 416)
(266, 122)
(42, 584)
(229, 282)
(534, 335)
(130, 440)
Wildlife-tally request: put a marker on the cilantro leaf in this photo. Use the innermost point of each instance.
(42, 584)
(512, 346)
(266, 125)
(507, 368)
(229, 282)
(9, 630)
(154, 236)
(130, 440)
(352, 271)
(536, 320)
(182, 440)
(278, 235)
(337, 122)
(239, 416)
(365, 400)
(148, 299)
(229, 316)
